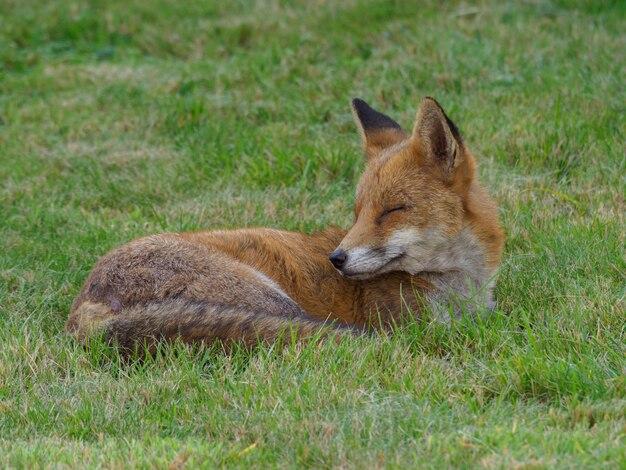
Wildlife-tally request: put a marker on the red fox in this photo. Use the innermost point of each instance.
(426, 236)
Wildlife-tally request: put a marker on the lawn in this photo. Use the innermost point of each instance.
(125, 118)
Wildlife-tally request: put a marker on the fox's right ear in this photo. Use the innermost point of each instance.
(438, 136)
(378, 131)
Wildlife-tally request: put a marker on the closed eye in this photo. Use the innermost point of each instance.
(386, 212)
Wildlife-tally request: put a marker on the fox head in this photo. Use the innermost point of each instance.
(419, 207)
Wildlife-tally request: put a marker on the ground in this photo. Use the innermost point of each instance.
(125, 118)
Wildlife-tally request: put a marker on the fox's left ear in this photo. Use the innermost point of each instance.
(438, 136)
(378, 131)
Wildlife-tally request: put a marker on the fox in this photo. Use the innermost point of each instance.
(426, 237)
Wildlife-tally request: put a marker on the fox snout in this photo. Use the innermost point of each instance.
(344, 260)
(400, 250)
(363, 262)
(338, 258)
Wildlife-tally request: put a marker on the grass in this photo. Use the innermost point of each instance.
(119, 119)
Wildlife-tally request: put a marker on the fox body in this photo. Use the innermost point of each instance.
(426, 235)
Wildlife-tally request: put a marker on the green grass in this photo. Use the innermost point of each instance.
(125, 118)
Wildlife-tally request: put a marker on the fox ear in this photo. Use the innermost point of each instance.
(438, 136)
(378, 131)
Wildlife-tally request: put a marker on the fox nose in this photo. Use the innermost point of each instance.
(338, 258)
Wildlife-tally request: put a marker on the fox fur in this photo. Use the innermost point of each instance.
(426, 236)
